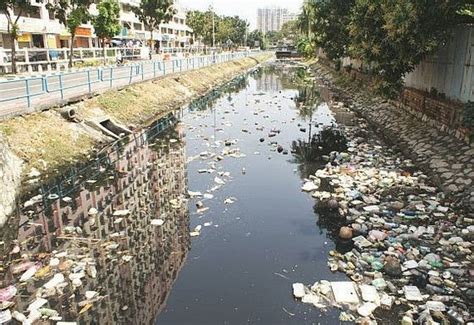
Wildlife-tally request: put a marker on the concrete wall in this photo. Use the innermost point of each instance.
(10, 171)
(450, 70)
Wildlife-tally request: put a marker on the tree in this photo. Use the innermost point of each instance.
(72, 14)
(391, 36)
(228, 29)
(7, 7)
(289, 33)
(152, 13)
(325, 24)
(272, 37)
(255, 38)
(107, 22)
(394, 37)
(201, 23)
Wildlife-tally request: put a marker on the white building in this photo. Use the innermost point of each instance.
(271, 19)
(40, 30)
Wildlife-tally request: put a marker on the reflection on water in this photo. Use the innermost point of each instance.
(117, 229)
(115, 261)
(309, 155)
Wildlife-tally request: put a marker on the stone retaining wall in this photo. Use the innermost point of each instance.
(443, 114)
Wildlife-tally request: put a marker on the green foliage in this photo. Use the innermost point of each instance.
(7, 8)
(272, 37)
(289, 33)
(107, 22)
(154, 12)
(255, 38)
(306, 47)
(229, 30)
(72, 14)
(391, 36)
(201, 23)
(326, 25)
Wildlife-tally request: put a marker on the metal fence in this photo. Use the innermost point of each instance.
(34, 93)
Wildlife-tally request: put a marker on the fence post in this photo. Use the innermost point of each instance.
(60, 77)
(89, 80)
(111, 76)
(172, 64)
(27, 90)
(131, 74)
(154, 69)
(143, 75)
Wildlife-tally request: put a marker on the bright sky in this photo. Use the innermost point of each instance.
(246, 9)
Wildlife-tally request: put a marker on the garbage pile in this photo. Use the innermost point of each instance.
(53, 276)
(411, 249)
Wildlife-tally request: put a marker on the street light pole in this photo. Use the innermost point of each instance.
(213, 29)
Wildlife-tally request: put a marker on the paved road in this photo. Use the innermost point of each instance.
(57, 89)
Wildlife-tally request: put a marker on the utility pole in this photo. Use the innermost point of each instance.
(246, 32)
(213, 28)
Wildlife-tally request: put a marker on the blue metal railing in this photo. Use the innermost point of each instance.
(21, 92)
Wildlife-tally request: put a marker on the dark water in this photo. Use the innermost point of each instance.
(241, 272)
(241, 266)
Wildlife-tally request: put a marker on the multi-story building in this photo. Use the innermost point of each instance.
(272, 18)
(39, 29)
(175, 33)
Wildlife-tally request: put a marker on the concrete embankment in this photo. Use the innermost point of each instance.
(45, 142)
(447, 160)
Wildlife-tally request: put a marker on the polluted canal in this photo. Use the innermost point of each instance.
(230, 212)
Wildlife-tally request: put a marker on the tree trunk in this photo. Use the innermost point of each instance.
(13, 54)
(103, 51)
(71, 56)
(151, 44)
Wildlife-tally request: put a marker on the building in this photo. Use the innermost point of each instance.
(40, 29)
(271, 19)
(172, 34)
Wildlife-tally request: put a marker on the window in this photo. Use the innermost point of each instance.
(137, 26)
(35, 12)
(51, 14)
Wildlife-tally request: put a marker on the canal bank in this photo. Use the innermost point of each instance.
(448, 160)
(48, 141)
(411, 260)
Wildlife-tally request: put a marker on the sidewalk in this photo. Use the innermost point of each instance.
(23, 75)
(33, 93)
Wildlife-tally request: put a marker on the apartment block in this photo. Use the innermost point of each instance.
(40, 29)
(271, 19)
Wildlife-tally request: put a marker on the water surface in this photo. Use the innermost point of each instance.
(118, 227)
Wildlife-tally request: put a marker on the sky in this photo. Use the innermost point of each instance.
(246, 9)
